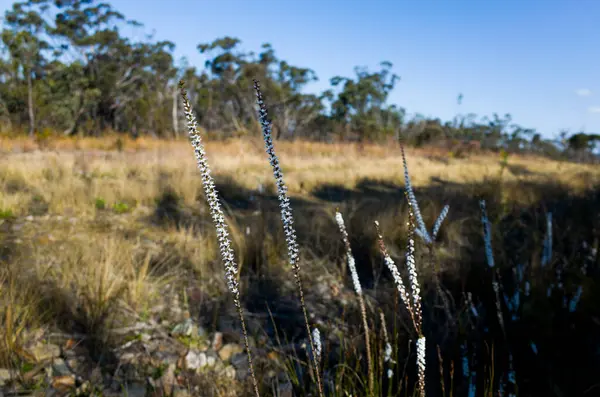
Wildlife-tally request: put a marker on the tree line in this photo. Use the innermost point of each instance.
(67, 68)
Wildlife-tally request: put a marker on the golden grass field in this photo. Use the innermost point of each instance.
(78, 244)
(70, 174)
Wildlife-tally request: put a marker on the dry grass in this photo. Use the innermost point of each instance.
(94, 248)
(70, 180)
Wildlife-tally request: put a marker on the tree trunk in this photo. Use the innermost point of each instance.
(30, 104)
(76, 117)
(175, 113)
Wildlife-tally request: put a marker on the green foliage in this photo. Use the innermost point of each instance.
(6, 214)
(67, 67)
(120, 144)
(100, 203)
(38, 205)
(42, 138)
(121, 207)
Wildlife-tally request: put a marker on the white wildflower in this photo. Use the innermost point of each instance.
(412, 271)
(317, 340)
(575, 299)
(547, 249)
(351, 263)
(211, 194)
(534, 348)
(389, 262)
(487, 235)
(286, 216)
(438, 223)
(387, 354)
(421, 229)
(210, 191)
(421, 364)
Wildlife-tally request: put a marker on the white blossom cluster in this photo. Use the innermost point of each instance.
(212, 197)
(468, 373)
(438, 222)
(391, 265)
(487, 235)
(575, 299)
(547, 248)
(412, 271)
(421, 364)
(286, 215)
(351, 263)
(316, 335)
(387, 353)
(487, 240)
(421, 229)
(284, 201)
(210, 191)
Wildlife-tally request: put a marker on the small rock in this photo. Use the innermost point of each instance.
(217, 342)
(59, 368)
(167, 381)
(185, 328)
(128, 358)
(63, 383)
(211, 361)
(43, 352)
(83, 389)
(134, 390)
(4, 376)
(202, 333)
(229, 372)
(195, 360)
(96, 375)
(166, 357)
(229, 350)
(240, 362)
(285, 390)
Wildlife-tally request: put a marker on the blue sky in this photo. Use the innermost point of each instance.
(535, 59)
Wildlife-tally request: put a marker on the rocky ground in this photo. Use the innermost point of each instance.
(165, 351)
(153, 361)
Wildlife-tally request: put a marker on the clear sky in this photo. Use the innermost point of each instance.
(538, 60)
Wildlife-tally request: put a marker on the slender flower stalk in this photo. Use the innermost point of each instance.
(212, 197)
(412, 270)
(422, 232)
(421, 229)
(487, 239)
(357, 287)
(413, 307)
(441, 364)
(472, 305)
(547, 248)
(286, 217)
(575, 299)
(416, 295)
(389, 262)
(412, 199)
(468, 373)
(421, 364)
(317, 339)
(438, 222)
(487, 235)
(512, 377)
(387, 353)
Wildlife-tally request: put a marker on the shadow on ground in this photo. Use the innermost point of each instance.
(568, 351)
